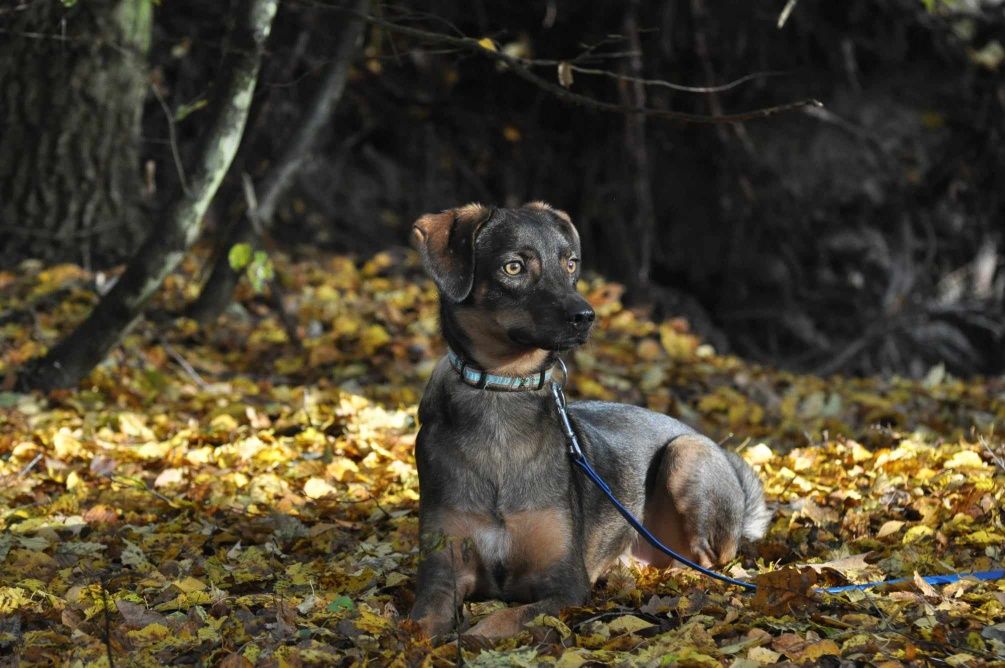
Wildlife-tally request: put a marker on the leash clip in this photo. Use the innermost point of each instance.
(558, 394)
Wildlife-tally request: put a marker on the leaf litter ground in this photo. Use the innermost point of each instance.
(223, 496)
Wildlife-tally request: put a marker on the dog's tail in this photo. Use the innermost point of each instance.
(756, 515)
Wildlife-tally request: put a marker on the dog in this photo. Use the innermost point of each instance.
(502, 512)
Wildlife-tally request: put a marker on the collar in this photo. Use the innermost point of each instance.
(483, 380)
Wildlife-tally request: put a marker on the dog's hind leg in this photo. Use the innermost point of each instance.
(701, 503)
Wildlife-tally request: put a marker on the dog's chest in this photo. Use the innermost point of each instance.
(509, 463)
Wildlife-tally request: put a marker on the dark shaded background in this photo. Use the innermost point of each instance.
(862, 237)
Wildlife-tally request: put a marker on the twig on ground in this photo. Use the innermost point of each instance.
(30, 465)
(183, 363)
(999, 462)
(107, 632)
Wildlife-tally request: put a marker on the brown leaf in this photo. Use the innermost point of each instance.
(235, 660)
(784, 591)
(138, 615)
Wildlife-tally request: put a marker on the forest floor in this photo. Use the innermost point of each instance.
(222, 496)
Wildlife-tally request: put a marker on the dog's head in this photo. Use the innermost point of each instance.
(507, 279)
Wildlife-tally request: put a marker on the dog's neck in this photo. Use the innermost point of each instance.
(488, 353)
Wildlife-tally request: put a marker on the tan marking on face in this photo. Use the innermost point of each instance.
(540, 538)
(492, 349)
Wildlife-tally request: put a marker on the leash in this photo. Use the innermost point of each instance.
(582, 463)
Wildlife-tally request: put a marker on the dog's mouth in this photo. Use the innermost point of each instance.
(558, 343)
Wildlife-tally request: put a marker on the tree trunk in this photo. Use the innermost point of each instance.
(641, 238)
(72, 85)
(74, 357)
(250, 228)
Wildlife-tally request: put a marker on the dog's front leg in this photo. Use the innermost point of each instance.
(566, 586)
(447, 575)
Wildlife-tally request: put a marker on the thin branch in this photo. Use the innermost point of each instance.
(667, 84)
(519, 69)
(172, 138)
(786, 11)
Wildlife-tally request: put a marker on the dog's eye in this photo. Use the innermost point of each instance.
(513, 267)
(571, 265)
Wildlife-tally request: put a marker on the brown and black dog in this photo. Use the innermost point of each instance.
(502, 512)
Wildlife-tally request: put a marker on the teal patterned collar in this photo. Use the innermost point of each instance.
(483, 380)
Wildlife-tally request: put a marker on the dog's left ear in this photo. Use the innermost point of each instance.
(446, 242)
(557, 213)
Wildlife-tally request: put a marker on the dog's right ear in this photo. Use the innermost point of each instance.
(446, 242)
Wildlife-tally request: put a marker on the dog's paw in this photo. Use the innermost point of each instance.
(711, 500)
(500, 624)
(432, 625)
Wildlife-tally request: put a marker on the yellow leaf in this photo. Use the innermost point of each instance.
(858, 453)
(628, 624)
(12, 598)
(189, 584)
(763, 655)
(571, 658)
(986, 538)
(369, 622)
(374, 337)
(925, 588)
(553, 623)
(916, 533)
(890, 527)
(395, 579)
(487, 44)
(66, 444)
(819, 649)
(223, 422)
(964, 459)
(134, 425)
(759, 454)
(315, 488)
(150, 633)
(72, 480)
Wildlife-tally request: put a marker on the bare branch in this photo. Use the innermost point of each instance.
(668, 84)
(518, 68)
(173, 137)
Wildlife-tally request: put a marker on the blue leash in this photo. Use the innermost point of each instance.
(579, 459)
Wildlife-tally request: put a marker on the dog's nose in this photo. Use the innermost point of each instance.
(581, 316)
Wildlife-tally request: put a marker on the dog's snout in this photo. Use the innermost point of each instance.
(581, 315)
